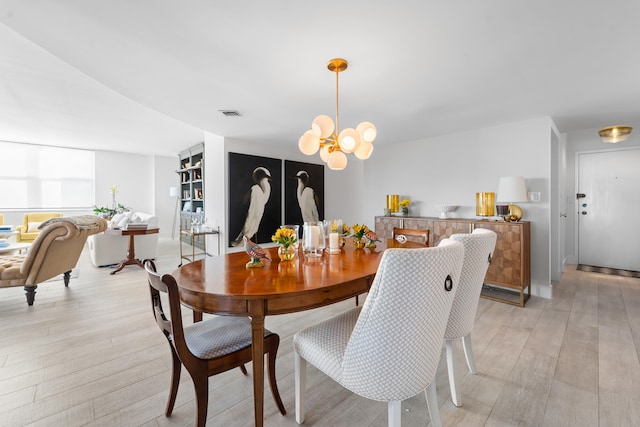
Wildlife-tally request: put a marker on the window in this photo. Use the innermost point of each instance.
(42, 177)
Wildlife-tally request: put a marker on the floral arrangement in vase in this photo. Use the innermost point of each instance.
(404, 206)
(359, 233)
(286, 238)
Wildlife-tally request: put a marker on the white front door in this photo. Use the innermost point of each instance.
(609, 212)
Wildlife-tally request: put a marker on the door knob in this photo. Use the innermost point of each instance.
(584, 212)
(563, 215)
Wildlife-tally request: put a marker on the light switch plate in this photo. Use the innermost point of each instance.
(534, 196)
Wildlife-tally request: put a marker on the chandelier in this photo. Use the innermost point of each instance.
(334, 144)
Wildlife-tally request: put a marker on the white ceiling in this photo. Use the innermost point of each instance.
(151, 75)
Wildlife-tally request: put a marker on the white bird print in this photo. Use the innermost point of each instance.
(307, 198)
(256, 253)
(257, 198)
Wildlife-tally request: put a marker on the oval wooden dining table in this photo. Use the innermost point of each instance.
(223, 285)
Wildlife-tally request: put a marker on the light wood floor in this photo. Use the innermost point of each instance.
(92, 355)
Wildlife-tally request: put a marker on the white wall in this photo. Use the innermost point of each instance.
(450, 169)
(143, 181)
(577, 142)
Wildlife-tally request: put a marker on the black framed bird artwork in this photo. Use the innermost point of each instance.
(303, 192)
(255, 198)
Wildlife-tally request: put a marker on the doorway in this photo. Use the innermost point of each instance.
(609, 209)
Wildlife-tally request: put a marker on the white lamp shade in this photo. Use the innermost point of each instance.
(512, 189)
(337, 160)
(364, 150)
(309, 143)
(367, 131)
(322, 126)
(173, 192)
(349, 140)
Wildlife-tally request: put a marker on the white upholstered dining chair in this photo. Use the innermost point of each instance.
(388, 349)
(478, 250)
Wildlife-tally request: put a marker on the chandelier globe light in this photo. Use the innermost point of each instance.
(334, 144)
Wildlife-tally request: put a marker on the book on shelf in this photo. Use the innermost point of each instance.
(7, 227)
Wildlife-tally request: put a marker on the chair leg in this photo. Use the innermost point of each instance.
(175, 382)
(432, 404)
(301, 384)
(271, 344)
(201, 386)
(468, 353)
(30, 292)
(394, 413)
(455, 393)
(67, 277)
(244, 369)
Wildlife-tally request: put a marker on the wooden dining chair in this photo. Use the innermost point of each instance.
(205, 348)
(478, 250)
(389, 349)
(421, 236)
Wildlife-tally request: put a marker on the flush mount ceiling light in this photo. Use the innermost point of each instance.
(614, 134)
(333, 143)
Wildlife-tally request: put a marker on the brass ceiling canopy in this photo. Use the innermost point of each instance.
(337, 65)
(614, 134)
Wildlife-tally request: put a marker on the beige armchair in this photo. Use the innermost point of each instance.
(28, 231)
(55, 251)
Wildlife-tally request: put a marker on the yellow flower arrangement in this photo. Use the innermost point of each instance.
(346, 230)
(285, 237)
(404, 206)
(114, 189)
(359, 230)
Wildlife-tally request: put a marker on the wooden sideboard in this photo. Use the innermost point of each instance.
(508, 278)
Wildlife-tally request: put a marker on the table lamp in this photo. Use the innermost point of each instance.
(512, 189)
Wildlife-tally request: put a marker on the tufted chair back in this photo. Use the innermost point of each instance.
(478, 250)
(395, 346)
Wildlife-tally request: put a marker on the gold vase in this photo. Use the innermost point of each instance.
(358, 243)
(286, 253)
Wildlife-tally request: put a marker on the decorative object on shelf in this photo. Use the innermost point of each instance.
(404, 206)
(502, 210)
(485, 204)
(444, 210)
(392, 203)
(256, 253)
(287, 239)
(359, 239)
(512, 189)
(333, 143)
(313, 241)
(615, 134)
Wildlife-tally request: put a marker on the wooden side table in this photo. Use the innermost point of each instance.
(131, 252)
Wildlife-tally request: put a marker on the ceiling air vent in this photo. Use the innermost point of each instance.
(230, 113)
